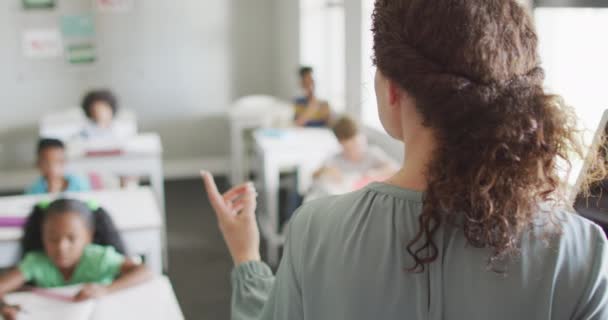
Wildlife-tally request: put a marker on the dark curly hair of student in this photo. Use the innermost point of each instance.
(102, 95)
(104, 230)
(473, 70)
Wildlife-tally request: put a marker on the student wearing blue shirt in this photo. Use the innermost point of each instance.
(51, 163)
(310, 111)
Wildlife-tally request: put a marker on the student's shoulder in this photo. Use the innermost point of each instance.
(34, 260)
(37, 187)
(35, 255)
(302, 100)
(78, 183)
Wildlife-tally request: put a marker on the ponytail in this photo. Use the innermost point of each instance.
(105, 232)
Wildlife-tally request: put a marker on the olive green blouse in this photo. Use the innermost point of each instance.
(345, 258)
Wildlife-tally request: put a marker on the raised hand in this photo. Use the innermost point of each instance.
(235, 211)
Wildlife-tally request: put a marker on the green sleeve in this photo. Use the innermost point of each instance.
(30, 264)
(257, 295)
(111, 263)
(252, 283)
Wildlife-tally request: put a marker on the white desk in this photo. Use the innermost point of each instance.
(154, 300)
(69, 123)
(135, 213)
(250, 113)
(302, 148)
(151, 300)
(140, 155)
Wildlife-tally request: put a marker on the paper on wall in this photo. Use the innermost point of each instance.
(114, 6)
(42, 43)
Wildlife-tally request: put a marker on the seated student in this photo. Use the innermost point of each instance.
(100, 107)
(51, 163)
(69, 242)
(310, 111)
(357, 157)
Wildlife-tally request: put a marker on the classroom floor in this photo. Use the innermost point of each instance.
(199, 263)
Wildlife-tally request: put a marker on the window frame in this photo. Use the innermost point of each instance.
(570, 4)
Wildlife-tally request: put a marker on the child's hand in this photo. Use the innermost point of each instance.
(235, 211)
(10, 312)
(91, 291)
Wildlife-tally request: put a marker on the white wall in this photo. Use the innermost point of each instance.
(179, 64)
(286, 49)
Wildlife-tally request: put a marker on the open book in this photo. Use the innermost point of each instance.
(153, 300)
(51, 304)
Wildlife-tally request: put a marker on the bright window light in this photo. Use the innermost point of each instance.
(574, 55)
(322, 37)
(369, 110)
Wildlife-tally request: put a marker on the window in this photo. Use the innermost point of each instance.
(369, 109)
(322, 47)
(574, 52)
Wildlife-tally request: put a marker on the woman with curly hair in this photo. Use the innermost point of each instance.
(475, 225)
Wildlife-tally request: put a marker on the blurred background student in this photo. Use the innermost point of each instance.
(100, 107)
(357, 156)
(310, 110)
(354, 167)
(53, 178)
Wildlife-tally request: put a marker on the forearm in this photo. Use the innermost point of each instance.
(134, 276)
(11, 281)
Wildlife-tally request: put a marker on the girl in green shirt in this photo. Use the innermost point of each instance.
(71, 242)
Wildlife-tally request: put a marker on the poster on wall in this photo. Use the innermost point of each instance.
(38, 4)
(114, 6)
(78, 26)
(42, 43)
(81, 53)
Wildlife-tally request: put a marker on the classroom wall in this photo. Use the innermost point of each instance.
(179, 65)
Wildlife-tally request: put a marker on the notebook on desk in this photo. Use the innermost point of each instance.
(153, 300)
(51, 304)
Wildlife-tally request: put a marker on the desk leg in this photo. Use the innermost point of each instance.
(236, 157)
(146, 242)
(271, 174)
(157, 183)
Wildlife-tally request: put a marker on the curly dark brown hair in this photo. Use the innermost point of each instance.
(473, 69)
(102, 95)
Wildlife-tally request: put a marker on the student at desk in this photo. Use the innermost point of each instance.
(474, 225)
(357, 157)
(51, 163)
(70, 242)
(100, 107)
(310, 111)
